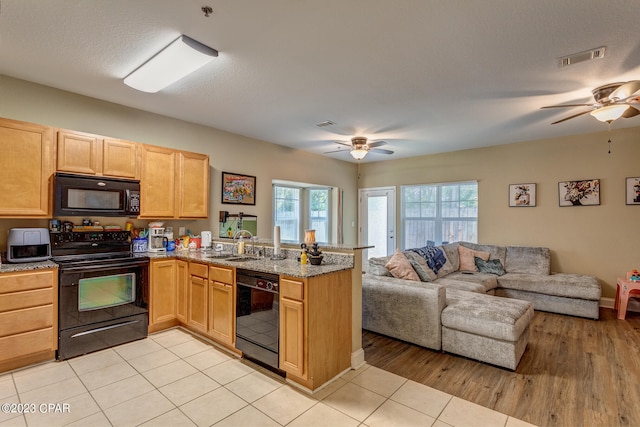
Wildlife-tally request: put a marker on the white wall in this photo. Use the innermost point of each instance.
(21, 100)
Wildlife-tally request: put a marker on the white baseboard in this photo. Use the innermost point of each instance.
(634, 304)
(357, 359)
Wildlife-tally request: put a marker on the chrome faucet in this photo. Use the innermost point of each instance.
(240, 234)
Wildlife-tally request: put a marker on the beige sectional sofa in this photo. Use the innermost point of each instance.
(476, 314)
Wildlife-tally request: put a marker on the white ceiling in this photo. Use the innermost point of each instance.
(426, 76)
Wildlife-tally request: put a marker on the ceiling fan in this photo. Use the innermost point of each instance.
(613, 100)
(360, 147)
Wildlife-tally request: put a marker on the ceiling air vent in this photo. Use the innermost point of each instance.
(587, 55)
(325, 123)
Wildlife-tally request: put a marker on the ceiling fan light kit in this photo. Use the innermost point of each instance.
(609, 113)
(358, 153)
(180, 58)
(359, 147)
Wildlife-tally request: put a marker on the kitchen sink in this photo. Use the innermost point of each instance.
(219, 256)
(241, 259)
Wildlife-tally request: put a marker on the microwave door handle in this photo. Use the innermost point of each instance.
(127, 200)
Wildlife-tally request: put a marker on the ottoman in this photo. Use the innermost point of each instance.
(491, 329)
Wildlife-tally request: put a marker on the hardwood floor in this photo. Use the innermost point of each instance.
(575, 372)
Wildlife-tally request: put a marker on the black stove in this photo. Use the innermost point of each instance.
(103, 291)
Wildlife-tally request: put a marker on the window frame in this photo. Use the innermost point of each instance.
(304, 210)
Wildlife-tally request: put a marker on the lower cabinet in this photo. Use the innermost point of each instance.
(162, 289)
(197, 297)
(28, 317)
(315, 327)
(222, 305)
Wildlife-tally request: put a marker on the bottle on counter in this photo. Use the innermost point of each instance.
(303, 257)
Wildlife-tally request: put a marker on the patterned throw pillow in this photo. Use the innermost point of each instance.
(434, 256)
(492, 266)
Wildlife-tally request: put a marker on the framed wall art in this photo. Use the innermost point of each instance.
(522, 195)
(238, 189)
(579, 193)
(633, 191)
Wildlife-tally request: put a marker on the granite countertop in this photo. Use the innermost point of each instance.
(289, 267)
(7, 267)
(325, 246)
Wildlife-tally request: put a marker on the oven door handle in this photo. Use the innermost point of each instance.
(108, 266)
(104, 328)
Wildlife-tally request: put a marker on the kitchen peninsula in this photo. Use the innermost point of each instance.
(198, 291)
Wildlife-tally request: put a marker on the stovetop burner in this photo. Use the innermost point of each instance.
(91, 248)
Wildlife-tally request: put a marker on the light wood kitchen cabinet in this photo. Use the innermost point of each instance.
(315, 327)
(222, 304)
(90, 154)
(163, 293)
(174, 184)
(28, 317)
(182, 290)
(197, 297)
(26, 166)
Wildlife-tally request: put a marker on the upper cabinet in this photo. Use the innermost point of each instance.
(26, 166)
(173, 184)
(85, 153)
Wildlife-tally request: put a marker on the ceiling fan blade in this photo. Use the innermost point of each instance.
(631, 112)
(381, 151)
(336, 151)
(375, 144)
(571, 117)
(568, 105)
(342, 143)
(625, 90)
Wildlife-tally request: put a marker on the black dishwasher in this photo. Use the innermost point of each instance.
(258, 317)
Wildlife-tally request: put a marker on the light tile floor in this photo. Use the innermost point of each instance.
(174, 379)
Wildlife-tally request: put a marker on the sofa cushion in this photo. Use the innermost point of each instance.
(488, 281)
(400, 267)
(467, 258)
(495, 252)
(421, 267)
(461, 285)
(489, 316)
(453, 259)
(562, 284)
(525, 259)
(491, 266)
(377, 266)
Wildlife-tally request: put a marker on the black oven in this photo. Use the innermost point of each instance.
(258, 317)
(103, 297)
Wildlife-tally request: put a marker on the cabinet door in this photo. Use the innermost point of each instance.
(193, 194)
(157, 182)
(221, 313)
(163, 291)
(292, 337)
(79, 153)
(26, 165)
(182, 285)
(197, 309)
(119, 158)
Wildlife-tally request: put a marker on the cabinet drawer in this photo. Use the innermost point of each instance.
(200, 270)
(221, 274)
(28, 319)
(292, 289)
(26, 343)
(25, 299)
(12, 282)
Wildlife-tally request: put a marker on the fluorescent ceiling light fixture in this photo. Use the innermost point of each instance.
(181, 58)
(358, 153)
(609, 113)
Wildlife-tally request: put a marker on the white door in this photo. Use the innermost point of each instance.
(377, 220)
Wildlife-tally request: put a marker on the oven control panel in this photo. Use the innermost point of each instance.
(89, 236)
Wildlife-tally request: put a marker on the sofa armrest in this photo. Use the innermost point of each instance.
(403, 309)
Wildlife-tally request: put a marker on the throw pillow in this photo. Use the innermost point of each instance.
(492, 266)
(466, 258)
(377, 266)
(419, 264)
(400, 267)
(434, 256)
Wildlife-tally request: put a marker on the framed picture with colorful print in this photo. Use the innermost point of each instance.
(238, 189)
(579, 193)
(522, 195)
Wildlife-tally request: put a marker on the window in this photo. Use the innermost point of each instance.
(287, 212)
(300, 208)
(439, 213)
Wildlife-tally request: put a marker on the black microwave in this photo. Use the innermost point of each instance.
(81, 195)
